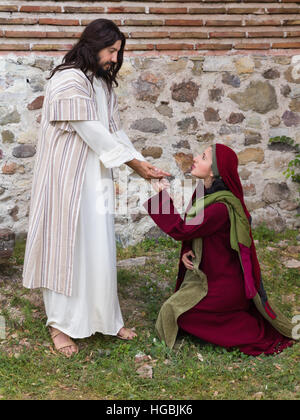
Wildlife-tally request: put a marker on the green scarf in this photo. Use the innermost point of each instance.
(194, 286)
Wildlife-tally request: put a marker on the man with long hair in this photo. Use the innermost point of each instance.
(70, 248)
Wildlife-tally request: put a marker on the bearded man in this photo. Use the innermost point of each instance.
(70, 249)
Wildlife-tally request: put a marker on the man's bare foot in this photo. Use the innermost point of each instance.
(63, 342)
(126, 334)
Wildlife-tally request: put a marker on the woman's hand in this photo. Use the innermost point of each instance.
(160, 185)
(186, 261)
(147, 170)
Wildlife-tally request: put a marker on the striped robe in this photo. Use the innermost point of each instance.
(58, 178)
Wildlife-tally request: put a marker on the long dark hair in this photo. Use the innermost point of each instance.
(99, 34)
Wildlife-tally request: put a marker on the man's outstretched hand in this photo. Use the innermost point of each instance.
(147, 170)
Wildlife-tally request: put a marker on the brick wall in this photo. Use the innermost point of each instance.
(154, 27)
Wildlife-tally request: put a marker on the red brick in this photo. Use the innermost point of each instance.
(8, 8)
(291, 22)
(47, 9)
(18, 21)
(59, 22)
(207, 10)
(124, 9)
(174, 46)
(83, 9)
(249, 46)
(223, 22)
(265, 34)
(283, 10)
(15, 47)
(286, 44)
(231, 34)
(167, 10)
(214, 46)
(183, 22)
(139, 47)
(150, 22)
(25, 34)
(149, 34)
(85, 22)
(51, 47)
(178, 35)
(245, 10)
(62, 34)
(263, 22)
(292, 33)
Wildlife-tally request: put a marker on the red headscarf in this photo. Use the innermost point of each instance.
(227, 162)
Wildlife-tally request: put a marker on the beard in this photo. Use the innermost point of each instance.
(102, 71)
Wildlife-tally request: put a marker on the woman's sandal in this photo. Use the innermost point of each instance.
(126, 337)
(67, 343)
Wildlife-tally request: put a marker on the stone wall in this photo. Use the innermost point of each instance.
(171, 108)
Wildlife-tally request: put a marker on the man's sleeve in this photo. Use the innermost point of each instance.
(110, 152)
(70, 97)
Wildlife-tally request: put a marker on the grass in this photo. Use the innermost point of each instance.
(105, 367)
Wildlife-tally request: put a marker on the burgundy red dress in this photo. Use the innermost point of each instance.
(224, 316)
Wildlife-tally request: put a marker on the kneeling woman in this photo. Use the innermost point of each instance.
(219, 296)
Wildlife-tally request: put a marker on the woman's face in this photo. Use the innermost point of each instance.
(201, 167)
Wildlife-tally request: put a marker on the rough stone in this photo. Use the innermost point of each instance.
(252, 154)
(227, 129)
(254, 121)
(215, 94)
(274, 121)
(231, 79)
(148, 87)
(148, 125)
(218, 64)
(7, 243)
(210, 114)
(288, 205)
(37, 103)
(37, 83)
(295, 92)
(271, 74)
(290, 118)
(252, 137)
(154, 152)
(9, 168)
(43, 64)
(294, 105)
(182, 144)
(9, 117)
(235, 118)
(292, 75)
(165, 110)
(249, 190)
(8, 136)
(245, 65)
(185, 92)
(258, 96)
(197, 67)
(206, 137)
(24, 151)
(244, 174)
(285, 90)
(188, 124)
(184, 161)
(274, 192)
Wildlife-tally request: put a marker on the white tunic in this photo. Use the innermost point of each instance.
(94, 304)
